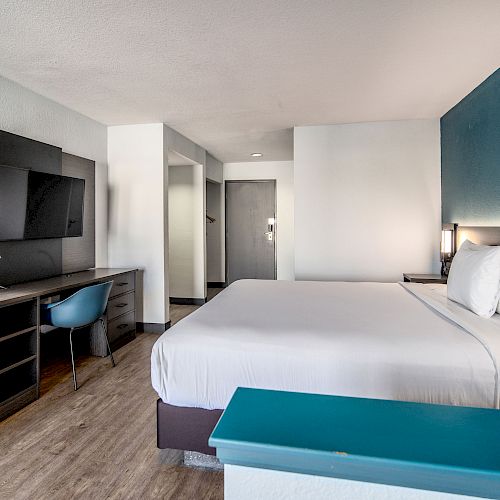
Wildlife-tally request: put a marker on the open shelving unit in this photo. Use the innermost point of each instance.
(19, 356)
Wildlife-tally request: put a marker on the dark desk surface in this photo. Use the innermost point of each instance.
(56, 284)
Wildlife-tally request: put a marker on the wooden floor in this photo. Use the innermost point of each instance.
(178, 312)
(97, 442)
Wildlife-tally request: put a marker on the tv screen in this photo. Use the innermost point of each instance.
(36, 205)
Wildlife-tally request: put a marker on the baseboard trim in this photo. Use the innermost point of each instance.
(153, 327)
(216, 284)
(187, 301)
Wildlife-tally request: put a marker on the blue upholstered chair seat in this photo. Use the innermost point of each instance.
(80, 309)
(83, 308)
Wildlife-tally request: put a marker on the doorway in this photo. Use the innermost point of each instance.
(186, 230)
(250, 230)
(215, 234)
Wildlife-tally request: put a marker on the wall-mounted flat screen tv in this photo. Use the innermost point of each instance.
(35, 205)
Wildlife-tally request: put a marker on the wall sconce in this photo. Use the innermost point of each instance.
(448, 246)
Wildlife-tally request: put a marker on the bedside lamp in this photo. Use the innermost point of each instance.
(448, 246)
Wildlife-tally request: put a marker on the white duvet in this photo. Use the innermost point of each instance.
(376, 340)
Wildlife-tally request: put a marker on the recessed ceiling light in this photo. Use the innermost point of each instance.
(256, 155)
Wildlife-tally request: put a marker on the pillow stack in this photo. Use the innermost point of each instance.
(474, 278)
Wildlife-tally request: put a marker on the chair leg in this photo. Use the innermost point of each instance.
(105, 330)
(75, 384)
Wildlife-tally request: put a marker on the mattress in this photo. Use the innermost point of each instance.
(379, 340)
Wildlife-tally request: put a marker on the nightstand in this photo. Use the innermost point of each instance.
(424, 278)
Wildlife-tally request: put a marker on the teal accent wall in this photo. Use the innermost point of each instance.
(470, 157)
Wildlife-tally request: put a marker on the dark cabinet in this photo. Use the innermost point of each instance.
(119, 317)
(19, 351)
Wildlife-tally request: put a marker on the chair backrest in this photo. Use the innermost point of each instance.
(82, 308)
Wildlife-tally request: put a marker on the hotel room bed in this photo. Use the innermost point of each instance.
(380, 340)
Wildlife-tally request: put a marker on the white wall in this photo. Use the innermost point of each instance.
(187, 148)
(215, 233)
(367, 200)
(214, 169)
(25, 113)
(138, 233)
(249, 483)
(282, 172)
(182, 145)
(137, 180)
(186, 227)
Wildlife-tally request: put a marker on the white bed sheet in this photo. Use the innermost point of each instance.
(377, 340)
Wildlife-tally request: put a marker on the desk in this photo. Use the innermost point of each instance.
(20, 328)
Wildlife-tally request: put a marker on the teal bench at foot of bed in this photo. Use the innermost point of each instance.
(436, 451)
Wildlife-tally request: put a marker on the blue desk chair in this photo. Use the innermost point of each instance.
(81, 309)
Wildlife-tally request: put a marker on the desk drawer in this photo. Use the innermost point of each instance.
(122, 283)
(121, 305)
(121, 327)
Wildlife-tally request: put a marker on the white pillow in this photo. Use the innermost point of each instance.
(474, 278)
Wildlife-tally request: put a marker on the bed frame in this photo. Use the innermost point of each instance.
(182, 428)
(188, 429)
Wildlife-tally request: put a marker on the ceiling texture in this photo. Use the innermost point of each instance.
(236, 76)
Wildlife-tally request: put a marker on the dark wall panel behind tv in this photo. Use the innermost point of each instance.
(31, 259)
(79, 253)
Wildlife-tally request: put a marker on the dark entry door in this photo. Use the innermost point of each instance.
(250, 230)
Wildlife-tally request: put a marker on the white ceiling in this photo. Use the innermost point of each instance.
(236, 75)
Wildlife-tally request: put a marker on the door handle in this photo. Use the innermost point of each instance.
(270, 228)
